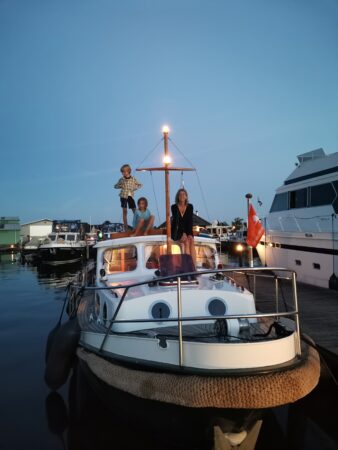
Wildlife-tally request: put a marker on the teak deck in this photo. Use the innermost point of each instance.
(318, 308)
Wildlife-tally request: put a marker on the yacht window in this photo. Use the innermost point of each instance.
(298, 199)
(61, 237)
(153, 253)
(70, 237)
(205, 257)
(52, 237)
(298, 262)
(323, 194)
(120, 259)
(280, 202)
(316, 266)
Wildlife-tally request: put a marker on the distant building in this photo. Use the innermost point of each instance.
(37, 228)
(9, 232)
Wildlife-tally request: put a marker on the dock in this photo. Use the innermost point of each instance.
(318, 307)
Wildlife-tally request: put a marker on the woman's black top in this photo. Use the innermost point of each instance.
(183, 224)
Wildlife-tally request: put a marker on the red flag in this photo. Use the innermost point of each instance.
(255, 228)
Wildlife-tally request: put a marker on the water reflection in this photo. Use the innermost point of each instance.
(57, 276)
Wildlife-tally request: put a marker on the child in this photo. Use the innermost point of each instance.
(128, 185)
(143, 219)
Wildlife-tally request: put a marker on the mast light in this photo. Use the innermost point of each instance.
(165, 129)
(166, 160)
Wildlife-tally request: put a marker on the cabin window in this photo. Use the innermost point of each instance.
(153, 253)
(205, 257)
(52, 237)
(70, 237)
(298, 199)
(298, 262)
(280, 202)
(61, 237)
(323, 194)
(316, 266)
(120, 259)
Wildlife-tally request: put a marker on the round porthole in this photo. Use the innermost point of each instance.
(216, 307)
(160, 310)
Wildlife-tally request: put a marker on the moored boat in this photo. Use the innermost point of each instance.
(302, 225)
(161, 328)
(62, 248)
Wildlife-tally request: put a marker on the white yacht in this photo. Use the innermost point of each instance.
(302, 225)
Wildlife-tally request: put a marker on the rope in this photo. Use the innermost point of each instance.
(154, 191)
(151, 151)
(198, 179)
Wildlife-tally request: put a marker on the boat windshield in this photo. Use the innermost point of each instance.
(120, 259)
(70, 237)
(52, 237)
(205, 257)
(153, 253)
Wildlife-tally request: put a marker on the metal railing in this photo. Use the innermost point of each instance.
(252, 272)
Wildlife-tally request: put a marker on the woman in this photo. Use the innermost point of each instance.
(181, 229)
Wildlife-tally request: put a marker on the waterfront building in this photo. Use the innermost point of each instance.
(37, 228)
(9, 232)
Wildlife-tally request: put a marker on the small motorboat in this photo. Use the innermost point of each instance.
(158, 327)
(62, 248)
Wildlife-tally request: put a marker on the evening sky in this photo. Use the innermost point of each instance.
(85, 86)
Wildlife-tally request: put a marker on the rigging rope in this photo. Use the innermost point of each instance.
(151, 151)
(198, 179)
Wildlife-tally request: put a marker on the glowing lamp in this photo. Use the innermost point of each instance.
(239, 247)
(166, 159)
(165, 129)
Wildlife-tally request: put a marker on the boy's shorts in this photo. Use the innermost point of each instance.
(128, 201)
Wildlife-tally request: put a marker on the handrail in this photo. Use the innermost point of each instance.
(179, 319)
(186, 274)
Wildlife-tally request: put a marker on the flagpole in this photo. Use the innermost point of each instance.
(250, 253)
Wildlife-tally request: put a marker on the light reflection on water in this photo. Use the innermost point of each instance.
(30, 303)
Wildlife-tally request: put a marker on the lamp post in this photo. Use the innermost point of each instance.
(250, 254)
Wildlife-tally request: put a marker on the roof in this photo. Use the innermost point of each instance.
(37, 221)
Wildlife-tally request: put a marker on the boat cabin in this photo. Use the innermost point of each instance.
(139, 257)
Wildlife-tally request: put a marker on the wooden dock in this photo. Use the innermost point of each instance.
(318, 307)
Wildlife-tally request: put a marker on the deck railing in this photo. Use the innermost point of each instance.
(256, 272)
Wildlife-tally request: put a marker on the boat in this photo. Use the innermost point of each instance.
(302, 225)
(30, 249)
(159, 327)
(64, 245)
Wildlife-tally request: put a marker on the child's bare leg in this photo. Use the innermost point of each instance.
(138, 228)
(125, 218)
(149, 224)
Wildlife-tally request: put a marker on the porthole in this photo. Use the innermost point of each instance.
(160, 310)
(316, 266)
(216, 307)
(298, 262)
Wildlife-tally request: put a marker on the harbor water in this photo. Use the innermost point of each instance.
(33, 417)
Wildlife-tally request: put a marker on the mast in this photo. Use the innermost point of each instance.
(166, 168)
(166, 161)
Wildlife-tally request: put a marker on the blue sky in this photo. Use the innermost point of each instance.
(85, 87)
